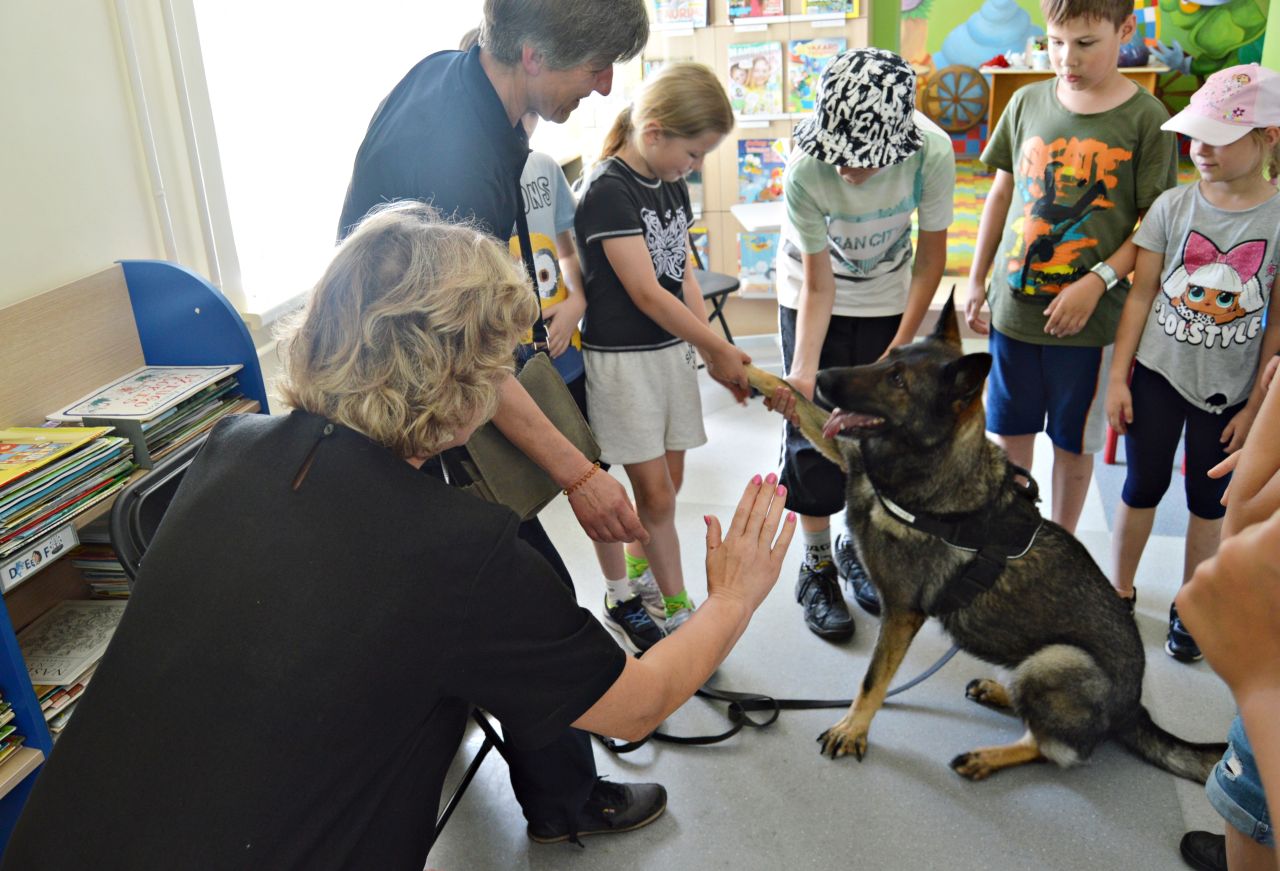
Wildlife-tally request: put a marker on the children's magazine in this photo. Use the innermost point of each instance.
(805, 62)
(755, 78)
(761, 164)
(757, 253)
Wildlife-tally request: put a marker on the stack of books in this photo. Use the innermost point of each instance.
(99, 564)
(10, 740)
(161, 408)
(62, 650)
(47, 477)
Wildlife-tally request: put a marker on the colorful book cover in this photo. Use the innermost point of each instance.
(757, 255)
(805, 63)
(755, 78)
(739, 9)
(831, 7)
(761, 164)
(145, 393)
(24, 449)
(677, 13)
(702, 245)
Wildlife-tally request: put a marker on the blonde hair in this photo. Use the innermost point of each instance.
(684, 99)
(409, 332)
(1270, 155)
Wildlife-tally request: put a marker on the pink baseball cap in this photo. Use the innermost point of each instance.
(1230, 104)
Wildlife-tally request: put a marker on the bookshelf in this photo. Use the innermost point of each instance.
(60, 345)
(710, 45)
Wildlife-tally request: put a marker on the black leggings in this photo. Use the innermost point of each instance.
(1159, 413)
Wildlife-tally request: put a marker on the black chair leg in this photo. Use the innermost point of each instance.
(492, 740)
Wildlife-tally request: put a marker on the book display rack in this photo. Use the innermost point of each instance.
(63, 345)
(768, 54)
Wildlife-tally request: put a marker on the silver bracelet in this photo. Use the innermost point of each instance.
(1103, 270)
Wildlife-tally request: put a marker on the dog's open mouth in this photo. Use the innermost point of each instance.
(843, 421)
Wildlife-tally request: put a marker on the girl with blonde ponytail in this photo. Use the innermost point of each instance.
(645, 317)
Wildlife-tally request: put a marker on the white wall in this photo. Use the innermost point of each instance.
(74, 191)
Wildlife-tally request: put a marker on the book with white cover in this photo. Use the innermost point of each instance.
(145, 393)
(69, 638)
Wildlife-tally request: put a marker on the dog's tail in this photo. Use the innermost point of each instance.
(812, 418)
(1155, 745)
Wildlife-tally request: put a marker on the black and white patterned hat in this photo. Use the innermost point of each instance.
(864, 112)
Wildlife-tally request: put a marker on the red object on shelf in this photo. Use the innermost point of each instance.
(997, 61)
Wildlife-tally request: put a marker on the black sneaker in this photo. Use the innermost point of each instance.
(611, 807)
(632, 624)
(1179, 644)
(825, 612)
(1204, 851)
(850, 568)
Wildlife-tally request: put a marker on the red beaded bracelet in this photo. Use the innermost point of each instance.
(595, 467)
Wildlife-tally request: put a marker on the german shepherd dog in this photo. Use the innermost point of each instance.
(909, 432)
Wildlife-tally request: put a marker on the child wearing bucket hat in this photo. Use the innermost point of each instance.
(1078, 158)
(1193, 325)
(850, 286)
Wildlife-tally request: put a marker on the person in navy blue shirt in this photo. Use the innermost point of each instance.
(449, 133)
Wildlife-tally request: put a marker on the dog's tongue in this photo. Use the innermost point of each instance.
(841, 420)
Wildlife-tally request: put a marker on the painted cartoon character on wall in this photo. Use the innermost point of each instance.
(1212, 288)
(1211, 35)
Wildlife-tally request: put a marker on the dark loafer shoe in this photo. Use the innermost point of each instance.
(825, 612)
(1204, 851)
(611, 808)
(850, 568)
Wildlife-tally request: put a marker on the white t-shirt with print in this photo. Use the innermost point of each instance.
(865, 227)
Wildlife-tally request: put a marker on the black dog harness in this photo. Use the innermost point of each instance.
(994, 538)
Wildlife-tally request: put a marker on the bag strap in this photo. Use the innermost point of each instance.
(540, 342)
(742, 704)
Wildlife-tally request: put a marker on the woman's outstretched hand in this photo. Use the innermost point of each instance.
(743, 565)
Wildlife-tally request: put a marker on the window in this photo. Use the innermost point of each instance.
(292, 86)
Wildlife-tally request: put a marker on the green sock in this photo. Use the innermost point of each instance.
(676, 602)
(636, 566)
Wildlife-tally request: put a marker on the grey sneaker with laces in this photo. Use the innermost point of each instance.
(646, 587)
(678, 619)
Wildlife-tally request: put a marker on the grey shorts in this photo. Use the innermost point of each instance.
(644, 403)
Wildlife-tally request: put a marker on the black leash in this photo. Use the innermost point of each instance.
(742, 705)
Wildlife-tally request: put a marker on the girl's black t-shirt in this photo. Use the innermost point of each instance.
(618, 201)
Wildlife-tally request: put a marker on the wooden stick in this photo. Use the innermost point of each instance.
(811, 417)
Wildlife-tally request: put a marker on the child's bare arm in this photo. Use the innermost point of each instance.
(1237, 429)
(1146, 284)
(813, 317)
(990, 227)
(1074, 305)
(693, 291)
(1254, 493)
(926, 273)
(563, 317)
(633, 265)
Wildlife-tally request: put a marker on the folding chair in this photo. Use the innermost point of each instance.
(716, 287)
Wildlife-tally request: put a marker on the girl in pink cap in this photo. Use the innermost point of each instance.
(1200, 322)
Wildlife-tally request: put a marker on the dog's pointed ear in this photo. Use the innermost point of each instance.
(948, 327)
(965, 376)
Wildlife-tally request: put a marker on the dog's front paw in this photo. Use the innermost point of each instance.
(972, 766)
(843, 739)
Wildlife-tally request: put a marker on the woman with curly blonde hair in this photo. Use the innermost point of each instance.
(308, 585)
(410, 332)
